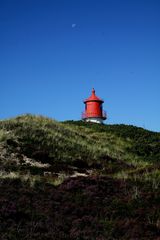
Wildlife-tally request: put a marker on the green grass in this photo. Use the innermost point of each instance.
(36, 144)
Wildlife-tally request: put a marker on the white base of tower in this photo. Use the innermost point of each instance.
(94, 120)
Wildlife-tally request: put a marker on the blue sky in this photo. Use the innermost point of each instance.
(52, 52)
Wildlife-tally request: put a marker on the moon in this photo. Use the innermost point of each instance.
(73, 25)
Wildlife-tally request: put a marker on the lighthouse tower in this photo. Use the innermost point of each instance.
(93, 109)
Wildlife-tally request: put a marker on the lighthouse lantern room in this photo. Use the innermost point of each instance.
(94, 109)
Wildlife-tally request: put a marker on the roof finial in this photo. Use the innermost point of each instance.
(93, 91)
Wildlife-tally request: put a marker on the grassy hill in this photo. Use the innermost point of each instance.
(77, 180)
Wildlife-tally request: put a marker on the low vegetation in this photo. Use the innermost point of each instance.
(77, 180)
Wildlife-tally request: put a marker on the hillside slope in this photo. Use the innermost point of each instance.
(76, 180)
(36, 143)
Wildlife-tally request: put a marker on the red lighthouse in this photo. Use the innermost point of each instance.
(93, 109)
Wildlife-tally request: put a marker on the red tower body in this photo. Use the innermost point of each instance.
(93, 109)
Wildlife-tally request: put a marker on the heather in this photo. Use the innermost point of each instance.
(81, 208)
